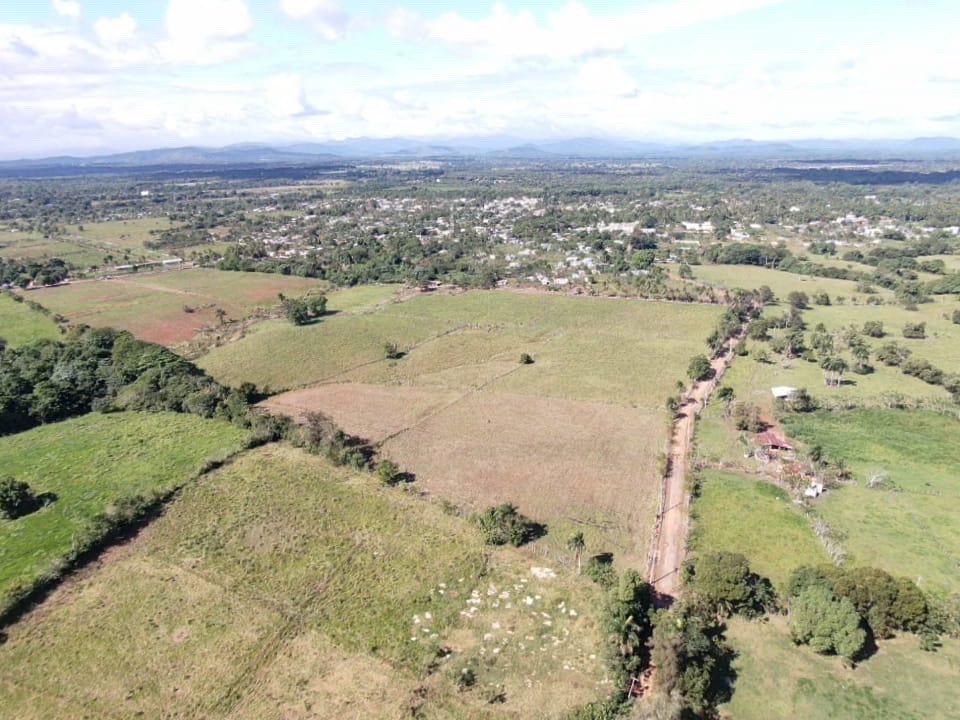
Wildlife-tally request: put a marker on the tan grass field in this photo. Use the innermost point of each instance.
(279, 587)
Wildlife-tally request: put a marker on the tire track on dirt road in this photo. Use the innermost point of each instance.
(670, 533)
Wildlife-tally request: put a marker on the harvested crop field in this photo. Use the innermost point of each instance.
(169, 308)
(572, 439)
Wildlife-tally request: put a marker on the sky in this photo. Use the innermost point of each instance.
(94, 76)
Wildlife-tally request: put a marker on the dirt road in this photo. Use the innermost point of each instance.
(670, 535)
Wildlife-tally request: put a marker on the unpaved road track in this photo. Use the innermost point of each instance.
(670, 540)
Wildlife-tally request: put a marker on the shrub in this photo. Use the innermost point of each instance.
(699, 368)
(892, 354)
(827, 624)
(387, 471)
(801, 401)
(874, 329)
(391, 351)
(504, 524)
(915, 331)
(16, 498)
(599, 568)
(526, 359)
(747, 418)
(956, 317)
(821, 298)
(798, 300)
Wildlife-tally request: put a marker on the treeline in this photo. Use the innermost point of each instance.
(896, 267)
(106, 369)
(178, 239)
(22, 273)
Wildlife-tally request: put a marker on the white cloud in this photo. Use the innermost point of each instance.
(115, 32)
(286, 96)
(324, 16)
(606, 76)
(571, 32)
(67, 8)
(205, 31)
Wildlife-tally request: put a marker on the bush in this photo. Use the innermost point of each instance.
(798, 300)
(827, 624)
(525, 359)
(915, 331)
(956, 317)
(387, 471)
(627, 625)
(699, 368)
(747, 418)
(874, 329)
(599, 568)
(16, 498)
(725, 583)
(391, 351)
(692, 659)
(892, 354)
(504, 524)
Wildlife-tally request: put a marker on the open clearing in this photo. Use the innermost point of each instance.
(322, 595)
(153, 307)
(757, 519)
(910, 527)
(20, 325)
(90, 463)
(572, 439)
(777, 679)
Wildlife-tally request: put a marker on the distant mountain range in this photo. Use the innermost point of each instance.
(307, 153)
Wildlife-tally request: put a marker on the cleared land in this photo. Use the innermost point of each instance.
(782, 283)
(321, 596)
(777, 679)
(20, 325)
(908, 528)
(155, 307)
(759, 520)
(89, 464)
(572, 439)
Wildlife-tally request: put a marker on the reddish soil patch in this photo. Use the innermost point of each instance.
(372, 412)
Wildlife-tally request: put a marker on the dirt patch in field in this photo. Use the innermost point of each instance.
(574, 465)
(372, 412)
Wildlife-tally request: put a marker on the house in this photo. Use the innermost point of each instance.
(814, 491)
(782, 392)
(772, 442)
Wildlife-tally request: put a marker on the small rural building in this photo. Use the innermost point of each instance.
(814, 491)
(773, 443)
(782, 392)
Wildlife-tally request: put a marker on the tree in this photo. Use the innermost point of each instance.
(826, 624)
(626, 623)
(801, 401)
(16, 498)
(833, 370)
(221, 315)
(699, 368)
(726, 395)
(798, 300)
(577, 544)
(821, 298)
(724, 581)
(765, 295)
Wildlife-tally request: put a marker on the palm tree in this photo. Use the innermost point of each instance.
(578, 545)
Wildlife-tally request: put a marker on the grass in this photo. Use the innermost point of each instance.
(782, 283)
(152, 306)
(89, 464)
(911, 531)
(585, 349)
(776, 679)
(753, 517)
(320, 594)
(20, 325)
